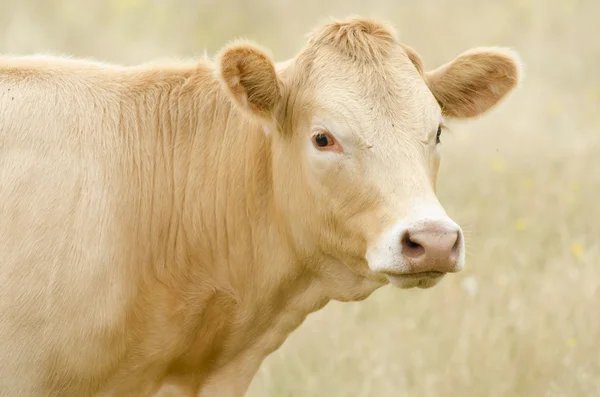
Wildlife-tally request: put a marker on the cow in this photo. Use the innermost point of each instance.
(165, 226)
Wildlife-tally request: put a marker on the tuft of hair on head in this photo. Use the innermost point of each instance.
(414, 57)
(248, 74)
(475, 81)
(361, 39)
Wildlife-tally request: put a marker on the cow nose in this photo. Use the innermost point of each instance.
(432, 247)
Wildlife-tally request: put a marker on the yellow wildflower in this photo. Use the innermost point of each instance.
(576, 250)
(498, 165)
(521, 224)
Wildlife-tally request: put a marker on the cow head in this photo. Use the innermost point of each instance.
(355, 124)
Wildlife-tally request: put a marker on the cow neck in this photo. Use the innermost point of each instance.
(240, 246)
(223, 277)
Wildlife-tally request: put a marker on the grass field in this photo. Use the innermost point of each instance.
(523, 318)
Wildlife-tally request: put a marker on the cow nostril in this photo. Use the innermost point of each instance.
(410, 247)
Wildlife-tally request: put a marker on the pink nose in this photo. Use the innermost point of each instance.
(432, 247)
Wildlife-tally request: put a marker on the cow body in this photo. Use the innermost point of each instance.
(144, 239)
(130, 204)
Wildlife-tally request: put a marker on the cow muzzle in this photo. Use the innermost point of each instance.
(418, 254)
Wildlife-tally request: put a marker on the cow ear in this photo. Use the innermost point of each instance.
(475, 81)
(249, 76)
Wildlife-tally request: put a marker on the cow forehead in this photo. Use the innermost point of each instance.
(376, 97)
(357, 49)
(372, 70)
(395, 82)
(359, 71)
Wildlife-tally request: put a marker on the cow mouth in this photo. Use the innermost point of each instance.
(411, 280)
(430, 274)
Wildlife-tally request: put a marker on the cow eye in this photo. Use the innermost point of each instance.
(439, 133)
(324, 141)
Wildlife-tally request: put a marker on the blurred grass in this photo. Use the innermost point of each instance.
(523, 319)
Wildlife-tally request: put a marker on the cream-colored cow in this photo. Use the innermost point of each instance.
(168, 226)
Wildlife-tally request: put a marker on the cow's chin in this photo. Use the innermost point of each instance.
(423, 281)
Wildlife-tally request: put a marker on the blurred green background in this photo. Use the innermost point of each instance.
(523, 318)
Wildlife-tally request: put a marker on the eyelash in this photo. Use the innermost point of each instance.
(439, 133)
